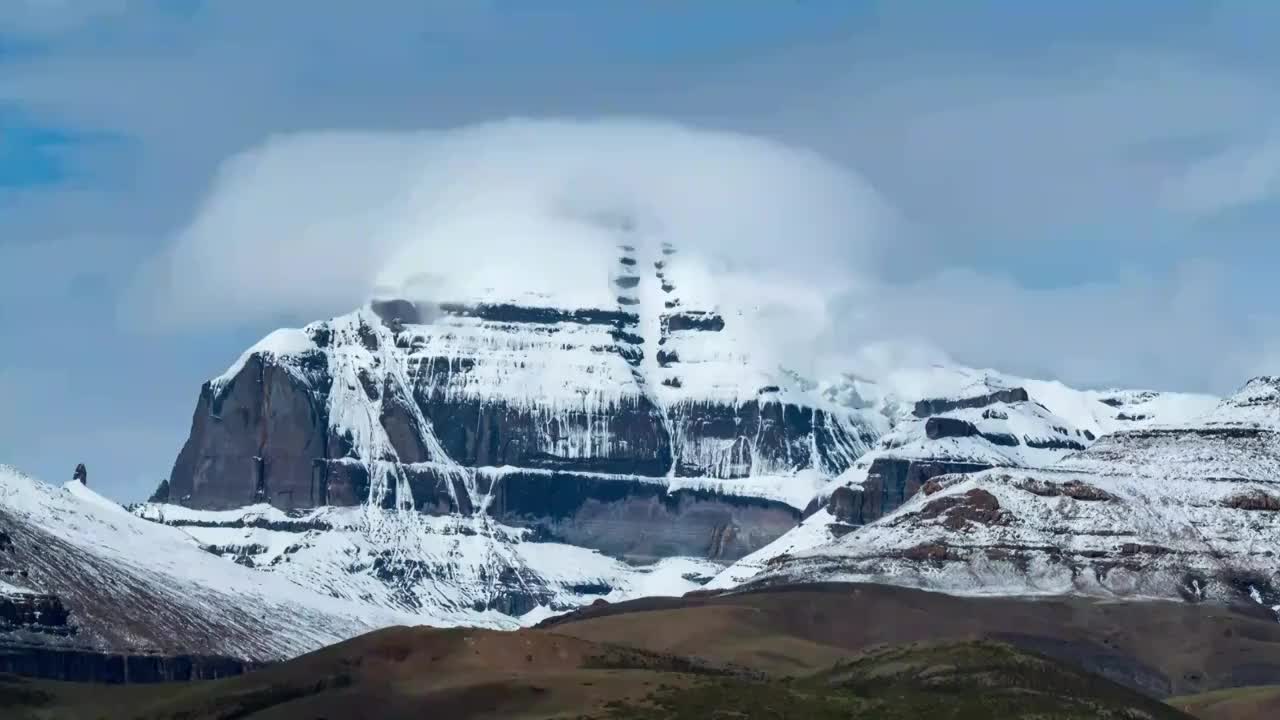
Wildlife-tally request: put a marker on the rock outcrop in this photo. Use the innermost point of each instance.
(112, 668)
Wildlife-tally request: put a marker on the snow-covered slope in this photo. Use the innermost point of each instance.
(895, 389)
(1183, 511)
(949, 420)
(466, 567)
(260, 584)
(128, 584)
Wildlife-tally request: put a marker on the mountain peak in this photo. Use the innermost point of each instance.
(1255, 405)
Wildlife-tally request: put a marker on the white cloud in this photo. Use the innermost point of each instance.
(314, 224)
(1175, 332)
(998, 160)
(1008, 146)
(311, 225)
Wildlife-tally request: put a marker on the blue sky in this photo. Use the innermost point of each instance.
(1091, 190)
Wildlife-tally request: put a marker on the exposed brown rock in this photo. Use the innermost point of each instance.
(1073, 489)
(844, 504)
(892, 481)
(925, 408)
(1254, 500)
(958, 511)
(34, 611)
(931, 487)
(936, 428)
(927, 552)
(1141, 549)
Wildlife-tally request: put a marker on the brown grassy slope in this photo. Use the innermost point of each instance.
(1251, 703)
(391, 673)
(1161, 648)
(418, 673)
(949, 681)
(460, 673)
(623, 661)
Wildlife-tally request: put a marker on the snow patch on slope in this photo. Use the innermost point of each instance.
(416, 563)
(894, 389)
(1256, 405)
(1161, 512)
(287, 618)
(284, 343)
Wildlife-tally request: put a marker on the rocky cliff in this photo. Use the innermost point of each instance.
(644, 429)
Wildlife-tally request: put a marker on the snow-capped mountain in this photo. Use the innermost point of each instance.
(1187, 509)
(494, 459)
(525, 458)
(515, 450)
(538, 415)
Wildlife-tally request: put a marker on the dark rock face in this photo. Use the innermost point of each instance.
(709, 321)
(892, 481)
(639, 521)
(1256, 500)
(255, 442)
(476, 433)
(936, 428)
(845, 504)
(161, 495)
(33, 612)
(926, 408)
(87, 666)
(81, 474)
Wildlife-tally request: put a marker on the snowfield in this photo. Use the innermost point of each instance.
(1186, 510)
(149, 581)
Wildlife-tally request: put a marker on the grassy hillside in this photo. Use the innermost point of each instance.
(835, 651)
(1249, 703)
(403, 673)
(1160, 648)
(951, 681)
